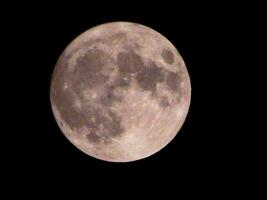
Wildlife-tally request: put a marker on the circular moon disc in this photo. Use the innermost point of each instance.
(120, 92)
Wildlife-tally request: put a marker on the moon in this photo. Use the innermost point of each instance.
(120, 92)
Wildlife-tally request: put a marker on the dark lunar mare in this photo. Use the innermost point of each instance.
(168, 56)
(148, 75)
(101, 122)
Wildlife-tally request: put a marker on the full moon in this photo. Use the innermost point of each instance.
(120, 92)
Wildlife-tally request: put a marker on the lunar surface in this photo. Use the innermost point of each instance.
(120, 92)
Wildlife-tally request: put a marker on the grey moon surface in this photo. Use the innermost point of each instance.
(120, 92)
